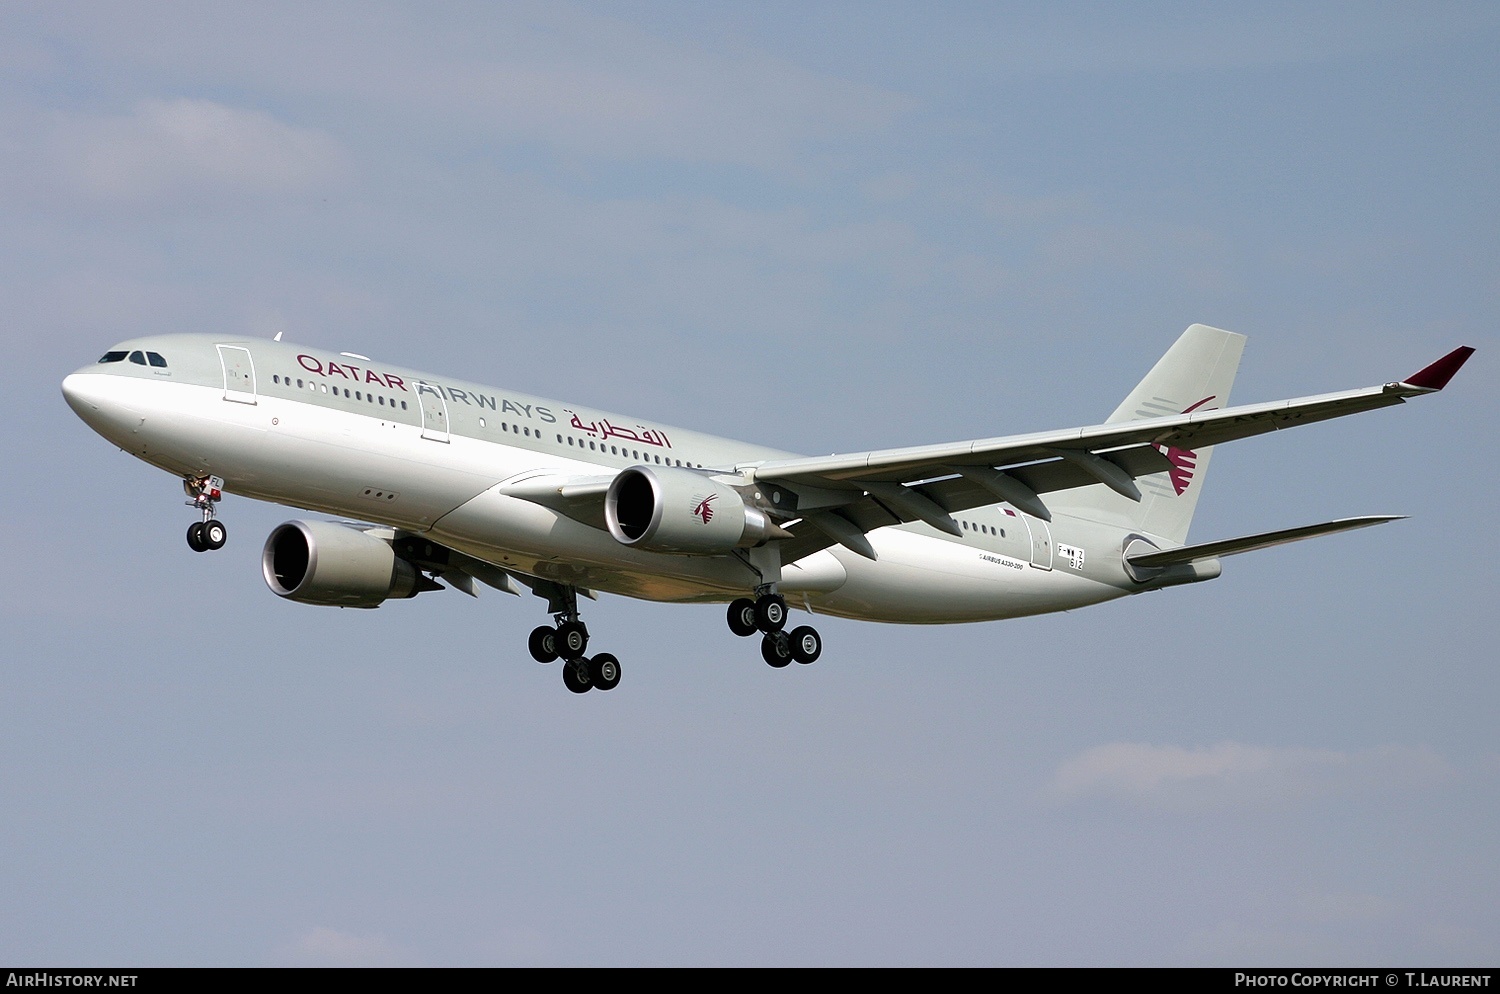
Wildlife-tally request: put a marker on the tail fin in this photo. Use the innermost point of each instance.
(1194, 375)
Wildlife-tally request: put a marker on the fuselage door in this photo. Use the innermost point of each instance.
(239, 374)
(434, 413)
(1041, 542)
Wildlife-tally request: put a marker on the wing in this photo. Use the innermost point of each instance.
(841, 497)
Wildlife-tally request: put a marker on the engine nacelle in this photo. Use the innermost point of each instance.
(319, 562)
(677, 510)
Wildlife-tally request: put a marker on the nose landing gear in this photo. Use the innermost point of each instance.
(205, 536)
(203, 493)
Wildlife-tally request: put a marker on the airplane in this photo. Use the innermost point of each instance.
(462, 483)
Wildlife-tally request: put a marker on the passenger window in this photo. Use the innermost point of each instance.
(112, 357)
(138, 358)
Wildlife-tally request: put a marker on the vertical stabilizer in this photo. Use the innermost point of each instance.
(1195, 375)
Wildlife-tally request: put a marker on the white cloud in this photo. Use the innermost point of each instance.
(329, 947)
(518, 946)
(579, 83)
(187, 145)
(1179, 38)
(1233, 774)
(603, 89)
(1233, 942)
(1322, 908)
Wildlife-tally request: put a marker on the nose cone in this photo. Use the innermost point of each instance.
(96, 398)
(81, 392)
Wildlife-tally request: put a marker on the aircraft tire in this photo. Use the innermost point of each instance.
(195, 537)
(776, 649)
(543, 644)
(806, 644)
(575, 681)
(214, 534)
(742, 617)
(572, 640)
(604, 671)
(770, 613)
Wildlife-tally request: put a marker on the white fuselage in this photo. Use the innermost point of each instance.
(432, 456)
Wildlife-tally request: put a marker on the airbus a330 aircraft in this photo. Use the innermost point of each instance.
(468, 483)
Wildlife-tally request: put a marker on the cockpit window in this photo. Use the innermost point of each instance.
(155, 359)
(138, 357)
(112, 357)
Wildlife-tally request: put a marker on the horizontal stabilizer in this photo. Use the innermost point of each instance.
(1249, 543)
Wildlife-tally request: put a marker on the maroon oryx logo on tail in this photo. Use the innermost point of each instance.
(1184, 461)
(703, 510)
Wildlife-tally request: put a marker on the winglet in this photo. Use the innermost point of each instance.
(1436, 376)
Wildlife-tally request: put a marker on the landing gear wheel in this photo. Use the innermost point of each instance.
(572, 639)
(195, 537)
(604, 671)
(213, 534)
(576, 676)
(776, 649)
(543, 644)
(770, 613)
(806, 644)
(742, 617)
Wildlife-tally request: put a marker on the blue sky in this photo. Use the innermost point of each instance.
(852, 226)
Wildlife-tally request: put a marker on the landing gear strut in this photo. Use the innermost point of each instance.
(767, 614)
(203, 493)
(567, 640)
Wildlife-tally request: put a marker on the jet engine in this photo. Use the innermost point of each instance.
(319, 562)
(677, 510)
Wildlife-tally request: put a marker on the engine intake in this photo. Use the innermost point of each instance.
(677, 510)
(319, 562)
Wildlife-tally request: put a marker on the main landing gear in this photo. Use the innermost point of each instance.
(567, 640)
(203, 493)
(767, 614)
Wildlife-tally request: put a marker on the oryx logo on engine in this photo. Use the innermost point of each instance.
(702, 510)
